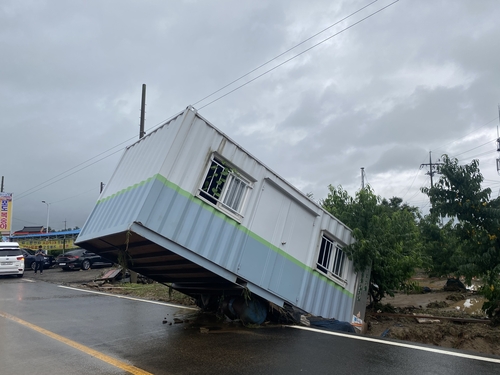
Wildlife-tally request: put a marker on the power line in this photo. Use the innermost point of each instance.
(466, 135)
(478, 155)
(492, 140)
(283, 53)
(492, 181)
(76, 195)
(413, 181)
(299, 54)
(432, 167)
(464, 152)
(46, 183)
(417, 192)
(24, 221)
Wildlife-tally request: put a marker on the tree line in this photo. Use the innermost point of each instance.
(460, 237)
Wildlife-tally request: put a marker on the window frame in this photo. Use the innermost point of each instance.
(229, 186)
(331, 260)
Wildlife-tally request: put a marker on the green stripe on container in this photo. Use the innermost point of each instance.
(227, 219)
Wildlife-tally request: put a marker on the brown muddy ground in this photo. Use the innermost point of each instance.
(478, 337)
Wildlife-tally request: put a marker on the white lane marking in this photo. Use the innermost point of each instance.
(130, 298)
(355, 337)
(400, 344)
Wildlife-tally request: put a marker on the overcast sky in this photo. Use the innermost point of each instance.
(378, 92)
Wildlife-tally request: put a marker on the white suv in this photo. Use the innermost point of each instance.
(11, 259)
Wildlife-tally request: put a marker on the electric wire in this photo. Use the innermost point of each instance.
(74, 196)
(465, 136)
(53, 179)
(464, 152)
(283, 53)
(418, 191)
(46, 183)
(299, 54)
(478, 155)
(413, 181)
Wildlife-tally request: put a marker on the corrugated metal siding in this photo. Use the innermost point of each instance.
(200, 228)
(276, 244)
(116, 213)
(325, 298)
(144, 158)
(179, 151)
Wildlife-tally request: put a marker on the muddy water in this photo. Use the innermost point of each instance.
(471, 305)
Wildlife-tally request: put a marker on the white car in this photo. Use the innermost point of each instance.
(11, 259)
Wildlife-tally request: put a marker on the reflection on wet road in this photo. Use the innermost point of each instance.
(166, 339)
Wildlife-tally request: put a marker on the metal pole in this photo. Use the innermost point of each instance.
(431, 172)
(48, 215)
(143, 108)
(64, 238)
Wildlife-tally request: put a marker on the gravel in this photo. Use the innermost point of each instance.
(57, 276)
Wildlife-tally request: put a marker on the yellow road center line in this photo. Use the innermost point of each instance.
(94, 353)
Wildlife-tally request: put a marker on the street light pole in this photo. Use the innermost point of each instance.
(48, 214)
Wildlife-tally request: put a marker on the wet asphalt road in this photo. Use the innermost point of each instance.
(49, 329)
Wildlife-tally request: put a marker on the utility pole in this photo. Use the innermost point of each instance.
(432, 167)
(498, 145)
(363, 178)
(143, 110)
(64, 239)
(48, 214)
(1, 187)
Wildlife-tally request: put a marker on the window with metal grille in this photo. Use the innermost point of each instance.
(331, 258)
(223, 187)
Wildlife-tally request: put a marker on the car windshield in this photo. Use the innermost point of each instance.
(29, 251)
(9, 252)
(73, 253)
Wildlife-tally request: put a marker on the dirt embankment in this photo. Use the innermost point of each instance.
(457, 320)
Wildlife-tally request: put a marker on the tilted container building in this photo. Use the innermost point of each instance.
(187, 205)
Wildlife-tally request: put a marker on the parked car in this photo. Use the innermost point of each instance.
(11, 259)
(81, 259)
(29, 259)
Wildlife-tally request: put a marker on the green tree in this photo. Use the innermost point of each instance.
(441, 246)
(459, 196)
(386, 234)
